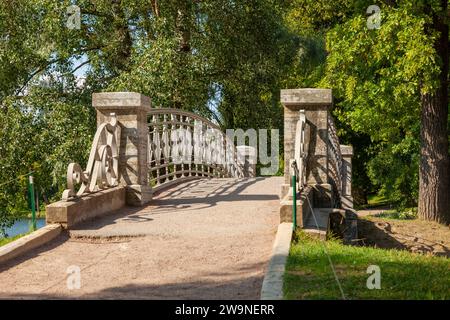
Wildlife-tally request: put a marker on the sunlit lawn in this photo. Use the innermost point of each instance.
(404, 275)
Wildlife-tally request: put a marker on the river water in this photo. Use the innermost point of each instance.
(23, 226)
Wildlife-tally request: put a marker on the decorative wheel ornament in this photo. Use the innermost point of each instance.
(102, 170)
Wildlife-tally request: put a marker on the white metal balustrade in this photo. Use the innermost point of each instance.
(183, 145)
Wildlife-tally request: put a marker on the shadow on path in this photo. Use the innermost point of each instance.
(212, 285)
(193, 196)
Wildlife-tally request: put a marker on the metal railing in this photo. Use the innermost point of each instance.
(183, 145)
(299, 163)
(300, 155)
(336, 169)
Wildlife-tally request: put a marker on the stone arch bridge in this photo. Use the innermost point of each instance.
(169, 207)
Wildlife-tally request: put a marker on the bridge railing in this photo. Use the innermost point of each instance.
(137, 150)
(300, 152)
(144, 149)
(183, 145)
(102, 170)
(336, 168)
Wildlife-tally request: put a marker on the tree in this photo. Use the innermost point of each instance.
(434, 173)
(383, 80)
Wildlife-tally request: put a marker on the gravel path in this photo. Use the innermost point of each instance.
(204, 239)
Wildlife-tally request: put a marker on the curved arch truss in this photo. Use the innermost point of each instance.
(183, 145)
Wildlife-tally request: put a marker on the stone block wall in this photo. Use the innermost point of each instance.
(316, 104)
(131, 110)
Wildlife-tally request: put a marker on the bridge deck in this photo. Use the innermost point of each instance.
(202, 239)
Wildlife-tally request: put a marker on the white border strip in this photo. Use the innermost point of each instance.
(29, 242)
(272, 287)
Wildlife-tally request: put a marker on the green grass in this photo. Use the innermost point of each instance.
(374, 201)
(4, 241)
(407, 214)
(377, 200)
(403, 275)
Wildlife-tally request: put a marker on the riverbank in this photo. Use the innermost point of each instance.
(21, 227)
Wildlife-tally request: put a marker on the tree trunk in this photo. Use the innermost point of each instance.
(155, 7)
(434, 171)
(183, 25)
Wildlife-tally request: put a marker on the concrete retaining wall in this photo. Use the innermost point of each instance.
(69, 213)
(29, 242)
(303, 209)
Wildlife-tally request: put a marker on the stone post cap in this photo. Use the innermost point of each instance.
(308, 96)
(121, 100)
(346, 150)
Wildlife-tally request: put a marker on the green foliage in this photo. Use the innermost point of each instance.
(378, 75)
(406, 214)
(377, 78)
(238, 52)
(42, 133)
(224, 60)
(395, 170)
(4, 241)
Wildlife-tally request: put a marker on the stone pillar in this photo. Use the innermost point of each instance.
(247, 157)
(131, 110)
(316, 103)
(347, 154)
